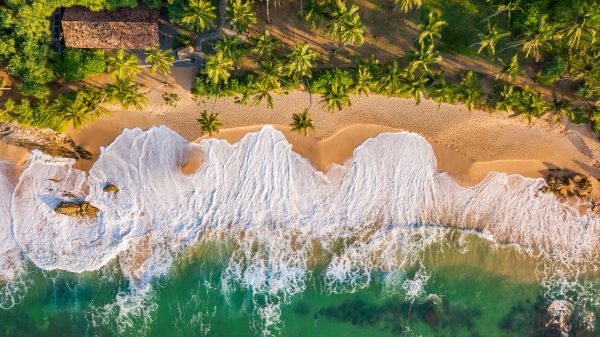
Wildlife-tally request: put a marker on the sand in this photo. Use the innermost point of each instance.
(468, 145)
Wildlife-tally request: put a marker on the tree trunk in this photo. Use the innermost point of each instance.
(268, 16)
(216, 98)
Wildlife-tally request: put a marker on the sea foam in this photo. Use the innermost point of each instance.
(385, 205)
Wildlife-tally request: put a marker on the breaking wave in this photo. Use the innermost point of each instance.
(376, 213)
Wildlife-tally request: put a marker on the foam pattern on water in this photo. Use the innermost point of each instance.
(378, 213)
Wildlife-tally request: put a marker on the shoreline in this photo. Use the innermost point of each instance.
(467, 145)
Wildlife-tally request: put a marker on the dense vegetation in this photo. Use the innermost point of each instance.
(557, 40)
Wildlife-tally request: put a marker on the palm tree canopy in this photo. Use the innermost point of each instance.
(242, 15)
(210, 122)
(314, 13)
(345, 24)
(391, 80)
(511, 69)
(160, 60)
(123, 67)
(336, 97)
(230, 48)
(490, 38)
(407, 5)
(264, 46)
(263, 92)
(302, 122)
(300, 61)
(128, 95)
(269, 73)
(538, 39)
(218, 68)
(199, 14)
(432, 29)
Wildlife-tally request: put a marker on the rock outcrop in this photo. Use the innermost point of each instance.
(110, 188)
(75, 209)
(46, 140)
(570, 186)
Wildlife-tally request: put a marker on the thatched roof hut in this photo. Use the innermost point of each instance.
(127, 28)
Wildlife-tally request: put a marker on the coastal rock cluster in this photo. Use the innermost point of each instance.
(46, 140)
(76, 209)
(576, 185)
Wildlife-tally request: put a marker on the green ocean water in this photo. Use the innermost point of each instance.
(482, 292)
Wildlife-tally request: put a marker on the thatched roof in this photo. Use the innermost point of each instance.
(127, 28)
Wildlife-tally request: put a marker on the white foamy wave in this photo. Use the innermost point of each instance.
(378, 213)
(13, 284)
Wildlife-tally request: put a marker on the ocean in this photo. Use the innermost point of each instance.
(259, 243)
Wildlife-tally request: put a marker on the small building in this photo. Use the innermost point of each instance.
(126, 28)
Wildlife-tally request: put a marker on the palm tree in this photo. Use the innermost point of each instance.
(489, 39)
(537, 105)
(230, 48)
(242, 15)
(264, 46)
(511, 69)
(336, 97)
(562, 107)
(444, 93)
(314, 13)
(210, 122)
(407, 5)
(86, 107)
(269, 73)
(300, 61)
(507, 99)
(217, 68)
(423, 59)
(345, 25)
(470, 94)
(128, 95)
(432, 29)
(363, 81)
(391, 80)
(508, 7)
(583, 27)
(302, 122)
(123, 67)
(414, 88)
(198, 15)
(263, 92)
(160, 60)
(538, 39)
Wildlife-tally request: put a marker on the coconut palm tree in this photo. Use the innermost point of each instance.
(263, 92)
(345, 25)
(128, 95)
(218, 68)
(84, 108)
(432, 29)
(391, 79)
(210, 122)
(561, 107)
(536, 40)
(470, 94)
(302, 122)
(264, 46)
(352, 33)
(414, 87)
(241, 15)
(300, 61)
(230, 48)
(198, 15)
(123, 67)
(314, 13)
(509, 8)
(510, 70)
(269, 73)
(490, 38)
(407, 5)
(363, 81)
(336, 97)
(444, 93)
(160, 60)
(423, 59)
(583, 27)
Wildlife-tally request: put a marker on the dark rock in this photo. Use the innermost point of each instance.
(110, 188)
(75, 209)
(46, 140)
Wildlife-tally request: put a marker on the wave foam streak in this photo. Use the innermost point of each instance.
(385, 207)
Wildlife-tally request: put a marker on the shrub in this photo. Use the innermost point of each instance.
(39, 114)
(552, 70)
(234, 86)
(182, 40)
(322, 79)
(78, 64)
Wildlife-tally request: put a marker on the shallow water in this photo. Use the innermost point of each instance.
(257, 242)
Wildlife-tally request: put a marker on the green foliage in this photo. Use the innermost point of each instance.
(552, 71)
(171, 98)
(302, 122)
(234, 86)
(123, 66)
(37, 113)
(198, 15)
(78, 64)
(114, 4)
(210, 123)
(322, 79)
(241, 15)
(182, 40)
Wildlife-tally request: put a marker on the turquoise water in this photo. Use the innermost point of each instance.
(482, 292)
